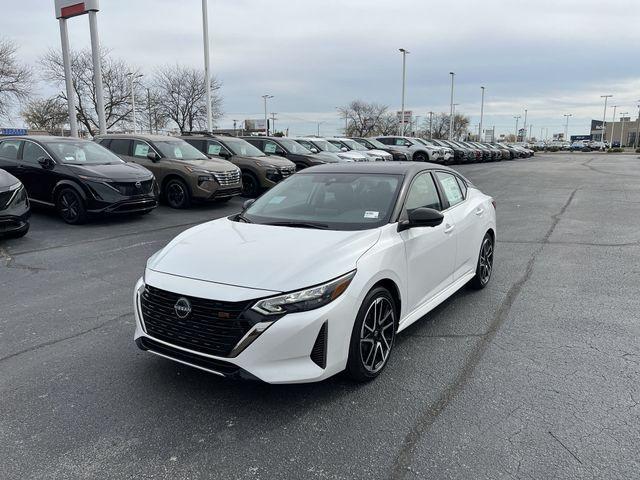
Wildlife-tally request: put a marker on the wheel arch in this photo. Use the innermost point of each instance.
(67, 184)
(174, 176)
(393, 289)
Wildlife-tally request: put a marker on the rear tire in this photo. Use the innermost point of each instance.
(373, 336)
(484, 268)
(70, 207)
(177, 194)
(250, 185)
(420, 157)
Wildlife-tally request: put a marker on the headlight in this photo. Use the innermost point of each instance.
(94, 179)
(197, 170)
(303, 300)
(265, 165)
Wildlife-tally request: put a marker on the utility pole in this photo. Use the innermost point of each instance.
(235, 122)
(566, 127)
(66, 61)
(453, 119)
(266, 121)
(133, 77)
(622, 117)
(524, 127)
(207, 71)
(541, 130)
(404, 71)
(430, 125)
(517, 117)
(273, 122)
(604, 115)
(451, 109)
(481, 114)
(149, 111)
(636, 141)
(530, 130)
(613, 124)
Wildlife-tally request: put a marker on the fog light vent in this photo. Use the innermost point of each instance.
(319, 350)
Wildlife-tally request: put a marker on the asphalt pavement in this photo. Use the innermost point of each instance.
(537, 376)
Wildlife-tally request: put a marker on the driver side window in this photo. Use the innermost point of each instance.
(32, 152)
(422, 193)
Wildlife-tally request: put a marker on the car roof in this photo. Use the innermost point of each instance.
(141, 136)
(44, 138)
(392, 168)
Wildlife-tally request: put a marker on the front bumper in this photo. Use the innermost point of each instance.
(132, 205)
(10, 224)
(282, 353)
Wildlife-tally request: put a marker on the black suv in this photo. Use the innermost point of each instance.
(14, 206)
(287, 148)
(77, 177)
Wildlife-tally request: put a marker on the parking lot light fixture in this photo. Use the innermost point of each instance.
(517, 117)
(566, 126)
(430, 125)
(636, 142)
(133, 77)
(266, 123)
(481, 114)
(451, 109)
(604, 115)
(613, 124)
(404, 52)
(524, 138)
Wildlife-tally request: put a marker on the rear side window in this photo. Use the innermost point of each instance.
(9, 149)
(120, 146)
(450, 187)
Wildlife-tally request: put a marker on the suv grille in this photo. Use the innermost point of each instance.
(228, 178)
(213, 327)
(287, 171)
(129, 189)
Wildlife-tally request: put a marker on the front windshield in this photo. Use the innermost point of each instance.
(179, 149)
(376, 143)
(353, 145)
(294, 147)
(242, 147)
(82, 152)
(334, 201)
(325, 146)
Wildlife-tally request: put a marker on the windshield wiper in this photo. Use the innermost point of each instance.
(243, 218)
(319, 226)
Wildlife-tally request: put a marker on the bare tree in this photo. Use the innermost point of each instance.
(388, 125)
(15, 78)
(115, 79)
(440, 126)
(49, 114)
(181, 95)
(149, 112)
(364, 119)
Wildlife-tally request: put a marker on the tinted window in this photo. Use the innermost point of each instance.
(32, 152)
(119, 146)
(386, 141)
(423, 193)
(9, 149)
(450, 187)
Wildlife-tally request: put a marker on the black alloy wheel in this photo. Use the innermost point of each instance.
(373, 335)
(177, 194)
(70, 207)
(250, 185)
(485, 263)
(420, 157)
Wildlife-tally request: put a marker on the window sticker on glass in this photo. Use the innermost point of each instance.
(269, 147)
(451, 189)
(142, 149)
(371, 214)
(277, 200)
(177, 153)
(214, 149)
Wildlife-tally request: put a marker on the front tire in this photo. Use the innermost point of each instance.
(70, 207)
(420, 157)
(250, 185)
(485, 263)
(177, 194)
(373, 335)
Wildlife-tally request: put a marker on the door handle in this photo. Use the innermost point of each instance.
(449, 228)
(479, 211)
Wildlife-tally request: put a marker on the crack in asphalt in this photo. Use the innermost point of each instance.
(9, 262)
(588, 165)
(404, 458)
(63, 339)
(565, 447)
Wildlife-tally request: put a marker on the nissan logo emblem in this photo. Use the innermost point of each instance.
(138, 184)
(182, 308)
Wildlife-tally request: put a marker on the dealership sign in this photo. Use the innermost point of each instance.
(407, 116)
(13, 131)
(73, 8)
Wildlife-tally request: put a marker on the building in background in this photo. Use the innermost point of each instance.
(624, 131)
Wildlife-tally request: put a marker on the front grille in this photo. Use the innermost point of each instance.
(319, 350)
(129, 189)
(287, 171)
(213, 327)
(219, 366)
(228, 178)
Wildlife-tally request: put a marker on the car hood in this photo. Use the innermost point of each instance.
(117, 171)
(211, 164)
(328, 157)
(274, 160)
(7, 180)
(353, 155)
(264, 257)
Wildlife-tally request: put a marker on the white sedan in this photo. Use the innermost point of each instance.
(319, 274)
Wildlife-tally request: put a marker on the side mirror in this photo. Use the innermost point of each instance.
(153, 156)
(421, 217)
(46, 163)
(344, 149)
(248, 203)
(313, 150)
(224, 155)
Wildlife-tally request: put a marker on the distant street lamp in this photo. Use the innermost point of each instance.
(566, 127)
(404, 65)
(207, 71)
(451, 109)
(430, 125)
(266, 121)
(524, 138)
(481, 115)
(517, 117)
(622, 117)
(453, 117)
(133, 77)
(613, 124)
(604, 115)
(319, 123)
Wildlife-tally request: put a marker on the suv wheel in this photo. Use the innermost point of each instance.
(70, 206)
(420, 157)
(177, 194)
(250, 185)
(373, 335)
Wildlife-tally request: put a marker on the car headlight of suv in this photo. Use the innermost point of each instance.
(304, 300)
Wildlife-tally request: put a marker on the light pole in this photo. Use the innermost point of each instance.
(636, 141)
(149, 111)
(97, 70)
(430, 125)
(133, 77)
(622, 117)
(453, 119)
(524, 138)
(517, 117)
(451, 110)
(266, 122)
(481, 114)
(207, 71)
(566, 126)
(530, 130)
(604, 115)
(273, 122)
(613, 124)
(404, 71)
(318, 124)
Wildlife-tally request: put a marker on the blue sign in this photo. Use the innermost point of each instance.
(13, 131)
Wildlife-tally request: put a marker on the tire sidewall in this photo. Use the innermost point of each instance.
(187, 194)
(252, 181)
(81, 218)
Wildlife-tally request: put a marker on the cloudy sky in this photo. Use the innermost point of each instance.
(549, 56)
